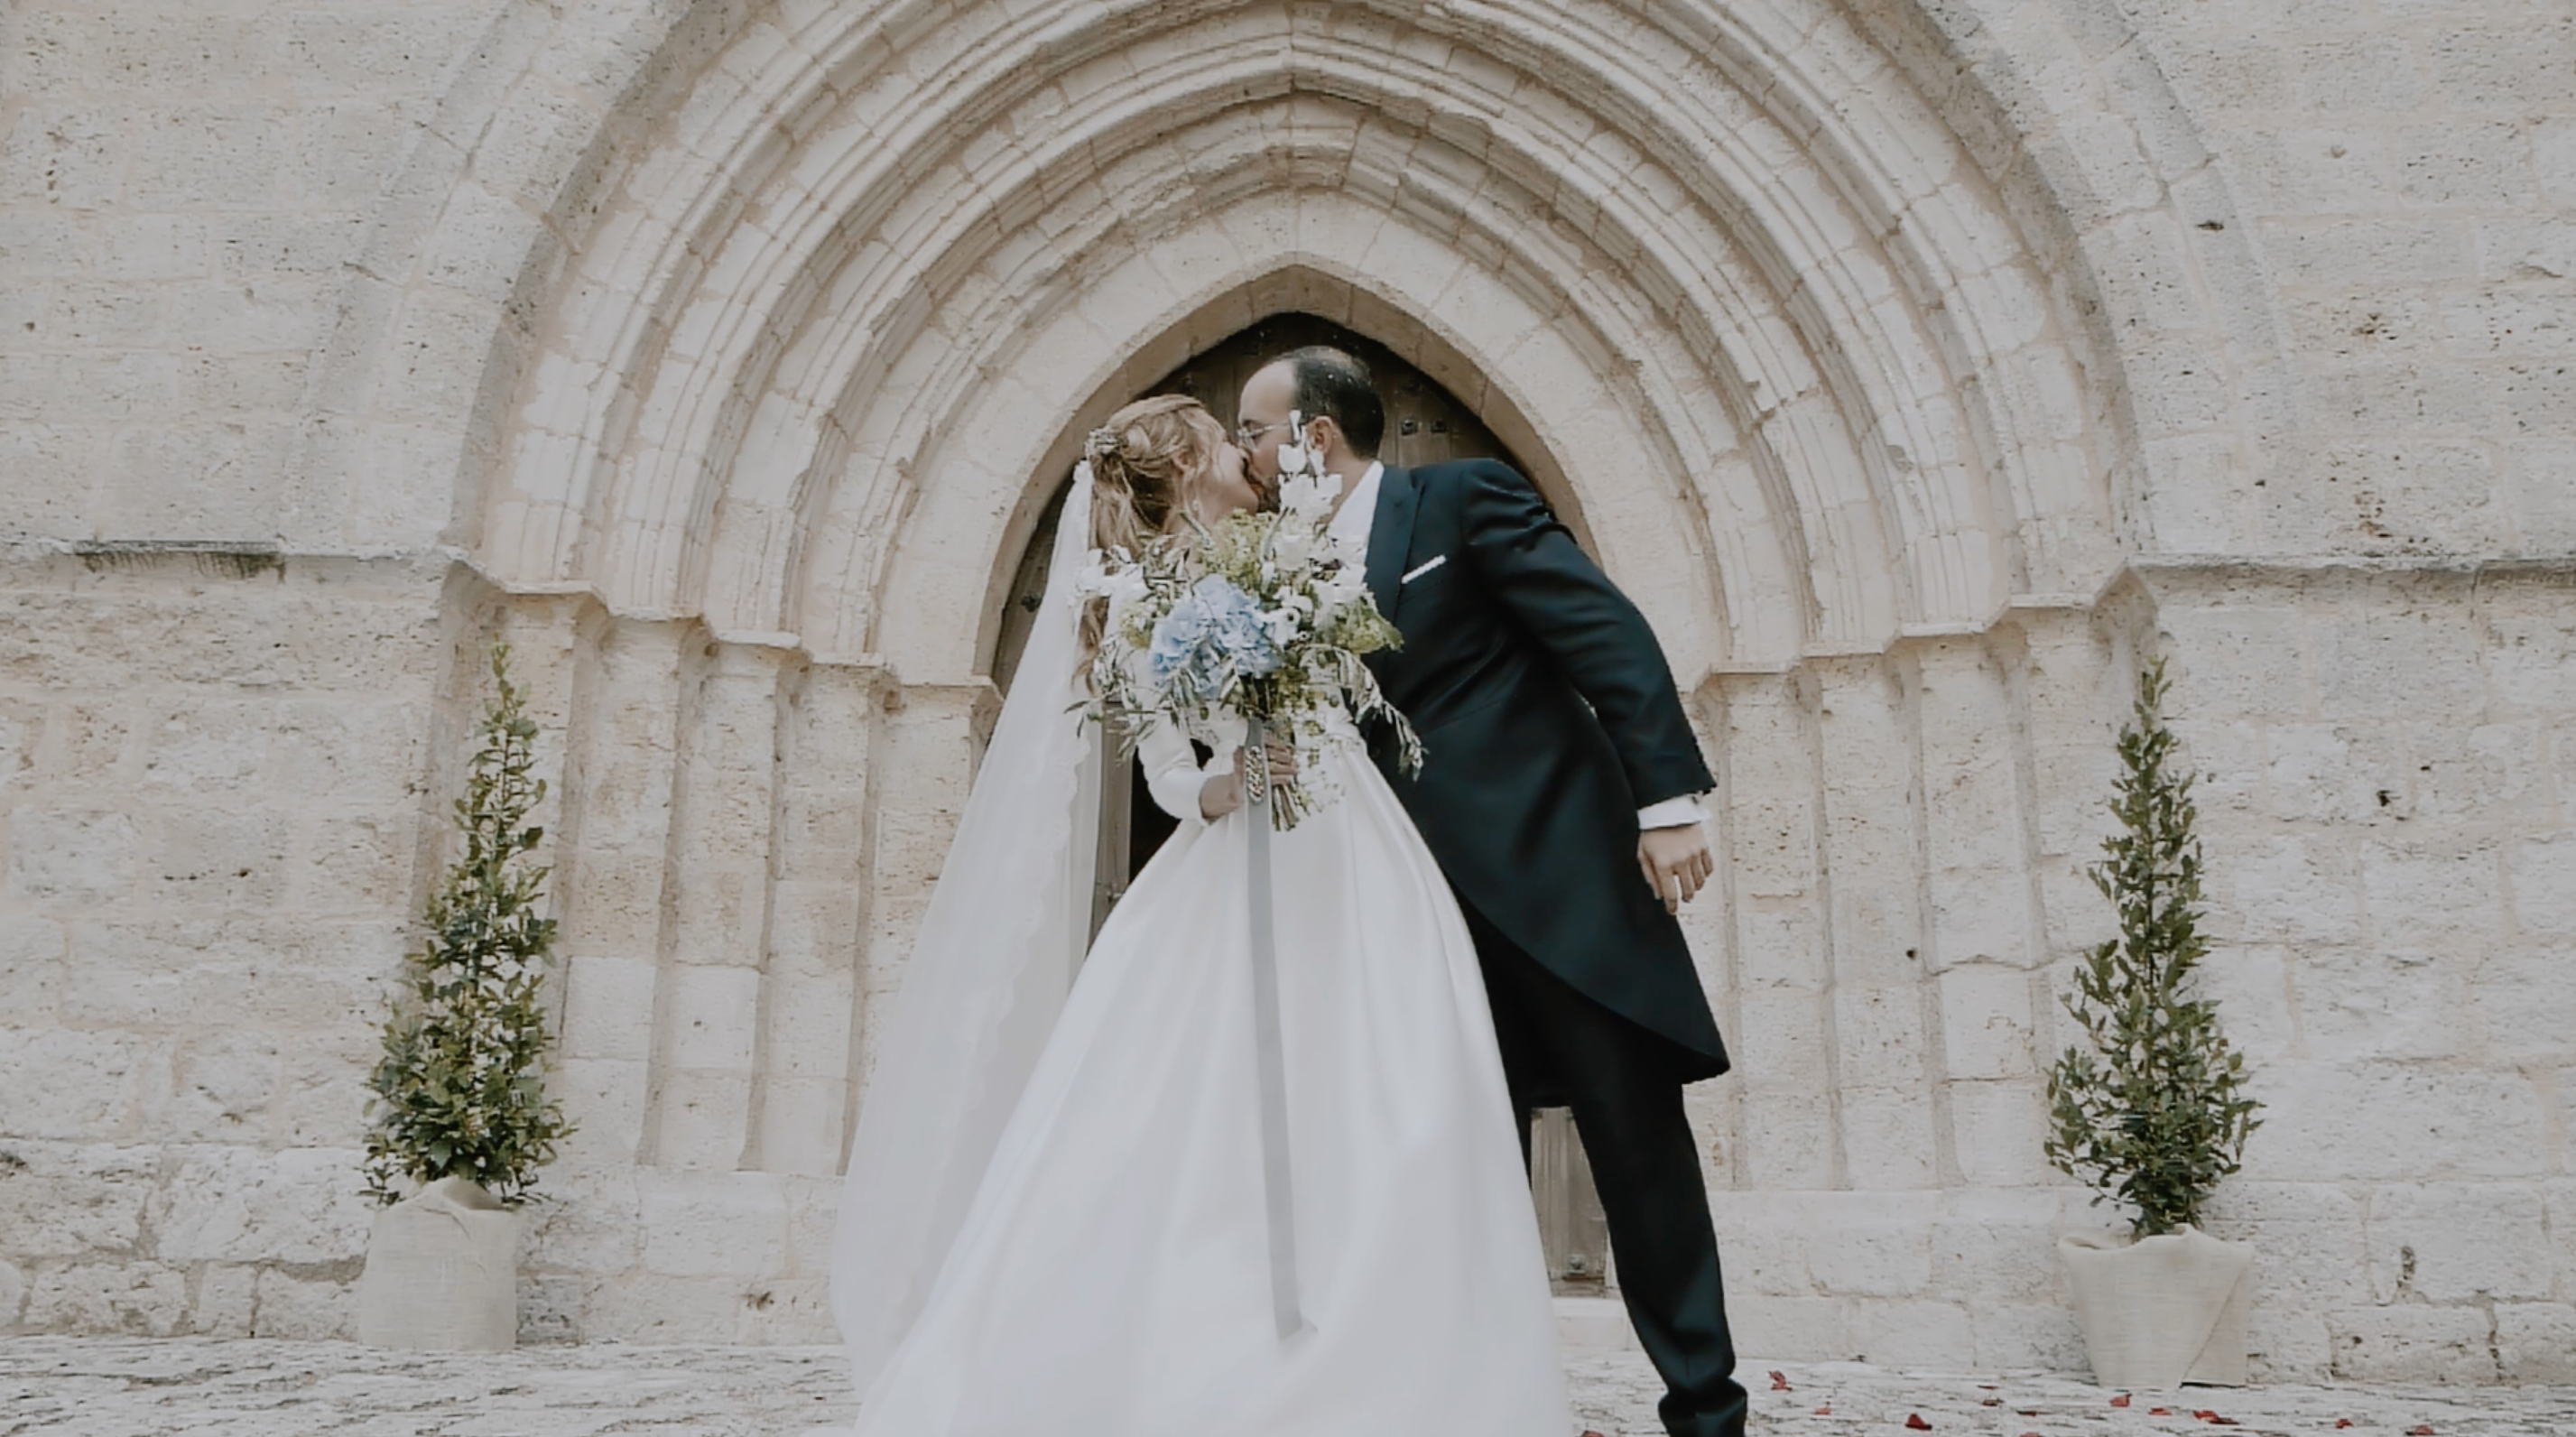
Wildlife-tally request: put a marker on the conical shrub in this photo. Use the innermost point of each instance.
(461, 1088)
(2150, 1110)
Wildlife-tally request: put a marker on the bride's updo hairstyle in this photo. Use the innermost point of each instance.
(1143, 463)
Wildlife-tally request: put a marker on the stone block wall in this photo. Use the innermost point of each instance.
(1921, 368)
(2394, 760)
(217, 767)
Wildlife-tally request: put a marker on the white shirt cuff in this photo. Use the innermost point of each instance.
(1671, 813)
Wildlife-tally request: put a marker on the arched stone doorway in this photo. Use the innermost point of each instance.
(1426, 424)
(757, 441)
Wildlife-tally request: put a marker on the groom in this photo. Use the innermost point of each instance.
(1561, 799)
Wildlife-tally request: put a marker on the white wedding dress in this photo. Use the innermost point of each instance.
(1055, 1219)
(1111, 1276)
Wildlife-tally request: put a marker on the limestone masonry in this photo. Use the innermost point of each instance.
(1921, 366)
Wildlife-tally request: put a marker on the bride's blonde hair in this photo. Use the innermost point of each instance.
(1144, 463)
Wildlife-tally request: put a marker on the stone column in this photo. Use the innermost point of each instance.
(1982, 949)
(1769, 836)
(817, 897)
(608, 882)
(715, 884)
(1874, 913)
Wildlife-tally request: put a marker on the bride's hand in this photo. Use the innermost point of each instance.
(1223, 792)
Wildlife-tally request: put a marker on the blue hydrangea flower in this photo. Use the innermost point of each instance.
(1180, 649)
(1240, 632)
(1211, 635)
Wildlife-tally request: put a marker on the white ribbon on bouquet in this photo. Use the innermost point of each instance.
(1268, 1049)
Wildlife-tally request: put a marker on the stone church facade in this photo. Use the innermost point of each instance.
(1920, 366)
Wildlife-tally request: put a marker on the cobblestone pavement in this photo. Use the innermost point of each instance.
(141, 1387)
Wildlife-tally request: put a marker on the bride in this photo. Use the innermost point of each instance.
(1055, 1220)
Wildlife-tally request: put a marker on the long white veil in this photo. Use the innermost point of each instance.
(999, 943)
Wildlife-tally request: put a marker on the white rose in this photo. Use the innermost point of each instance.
(1294, 545)
(1309, 497)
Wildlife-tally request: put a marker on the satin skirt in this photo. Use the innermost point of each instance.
(1112, 1276)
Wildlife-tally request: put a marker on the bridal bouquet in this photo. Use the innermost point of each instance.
(1261, 617)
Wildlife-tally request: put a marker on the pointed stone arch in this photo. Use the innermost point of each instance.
(984, 514)
(735, 340)
(1427, 421)
(1843, 288)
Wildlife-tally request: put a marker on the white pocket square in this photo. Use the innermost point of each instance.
(1425, 567)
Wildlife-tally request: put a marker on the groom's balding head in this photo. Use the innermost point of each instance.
(1327, 383)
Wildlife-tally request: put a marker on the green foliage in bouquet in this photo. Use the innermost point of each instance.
(460, 1091)
(2155, 1114)
(1244, 550)
(1257, 616)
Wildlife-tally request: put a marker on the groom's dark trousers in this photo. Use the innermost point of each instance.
(1551, 720)
(1562, 1049)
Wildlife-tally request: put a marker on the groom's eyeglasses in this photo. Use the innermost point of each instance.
(1250, 433)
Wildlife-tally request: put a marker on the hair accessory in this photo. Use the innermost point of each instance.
(1102, 443)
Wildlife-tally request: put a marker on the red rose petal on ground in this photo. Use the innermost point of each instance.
(1914, 1423)
(2120, 1401)
(1992, 1402)
(2160, 1412)
(1824, 1412)
(2342, 1422)
(1779, 1382)
(2425, 1430)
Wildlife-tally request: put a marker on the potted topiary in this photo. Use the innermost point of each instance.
(2151, 1109)
(460, 1119)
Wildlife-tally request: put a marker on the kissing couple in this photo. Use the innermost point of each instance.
(1055, 1217)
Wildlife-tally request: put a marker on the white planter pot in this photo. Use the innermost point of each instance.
(2163, 1310)
(442, 1272)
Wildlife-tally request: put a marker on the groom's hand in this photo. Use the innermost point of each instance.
(1676, 862)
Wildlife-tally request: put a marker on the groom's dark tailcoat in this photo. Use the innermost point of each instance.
(1550, 719)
